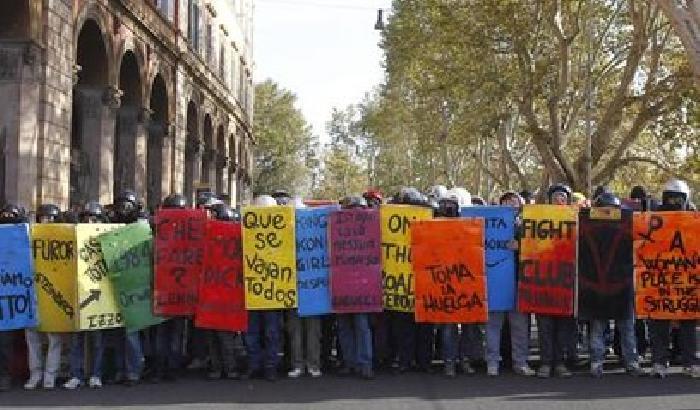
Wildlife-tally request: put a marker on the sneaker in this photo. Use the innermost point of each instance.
(492, 370)
(659, 371)
(214, 375)
(270, 375)
(692, 371)
(524, 370)
(450, 370)
(49, 383)
(131, 382)
(197, 364)
(544, 371)
(315, 373)
(597, 370)
(33, 382)
(5, 383)
(562, 371)
(295, 373)
(95, 382)
(635, 370)
(233, 375)
(467, 367)
(72, 384)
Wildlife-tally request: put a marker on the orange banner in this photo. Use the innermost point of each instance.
(667, 265)
(448, 261)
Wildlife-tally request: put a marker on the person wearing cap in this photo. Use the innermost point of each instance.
(518, 322)
(675, 198)
(41, 368)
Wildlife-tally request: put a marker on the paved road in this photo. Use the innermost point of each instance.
(406, 392)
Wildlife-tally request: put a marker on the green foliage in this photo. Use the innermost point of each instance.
(285, 154)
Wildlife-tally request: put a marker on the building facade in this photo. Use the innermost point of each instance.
(105, 95)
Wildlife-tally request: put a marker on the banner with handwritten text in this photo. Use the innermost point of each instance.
(17, 297)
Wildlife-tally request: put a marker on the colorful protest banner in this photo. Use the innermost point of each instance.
(313, 260)
(667, 265)
(128, 254)
(269, 257)
(17, 296)
(96, 299)
(398, 280)
(499, 225)
(605, 289)
(221, 291)
(179, 260)
(448, 258)
(356, 271)
(547, 272)
(55, 258)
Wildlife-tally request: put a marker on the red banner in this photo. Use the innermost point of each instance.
(179, 259)
(221, 292)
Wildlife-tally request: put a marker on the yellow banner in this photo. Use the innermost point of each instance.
(269, 257)
(54, 251)
(398, 280)
(96, 299)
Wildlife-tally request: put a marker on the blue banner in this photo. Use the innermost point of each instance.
(17, 297)
(313, 260)
(499, 223)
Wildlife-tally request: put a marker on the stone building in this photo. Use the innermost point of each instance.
(102, 95)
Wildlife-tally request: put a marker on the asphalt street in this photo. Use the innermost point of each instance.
(387, 392)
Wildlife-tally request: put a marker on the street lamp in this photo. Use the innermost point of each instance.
(379, 25)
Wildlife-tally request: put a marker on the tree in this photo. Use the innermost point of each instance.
(284, 154)
(508, 94)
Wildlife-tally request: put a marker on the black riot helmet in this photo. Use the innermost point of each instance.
(223, 212)
(47, 213)
(410, 196)
(448, 207)
(127, 207)
(353, 202)
(607, 199)
(12, 214)
(206, 200)
(560, 189)
(281, 196)
(92, 212)
(175, 201)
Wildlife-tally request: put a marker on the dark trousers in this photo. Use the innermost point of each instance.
(555, 335)
(660, 338)
(5, 353)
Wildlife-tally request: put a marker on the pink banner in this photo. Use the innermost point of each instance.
(356, 271)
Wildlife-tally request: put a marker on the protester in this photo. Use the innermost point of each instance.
(625, 327)
(40, 369)
(675, 197)
(519, 322)
(555, 333)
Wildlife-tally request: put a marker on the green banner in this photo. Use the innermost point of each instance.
(128, 254)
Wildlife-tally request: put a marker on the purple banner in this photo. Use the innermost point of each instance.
(356, 271)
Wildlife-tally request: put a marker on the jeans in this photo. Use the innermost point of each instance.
(628, 340)
(264, 326)
(660, 338)
(413, 340)
(355, 340)
(77, 353)
(168, 345)
(37, 366)
(222, 351)
(301, 330)
(519, 337)
(471, 342)
(555, 334)
(448, 339)
(5, 353)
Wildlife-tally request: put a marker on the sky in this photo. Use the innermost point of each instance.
(325, 51)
